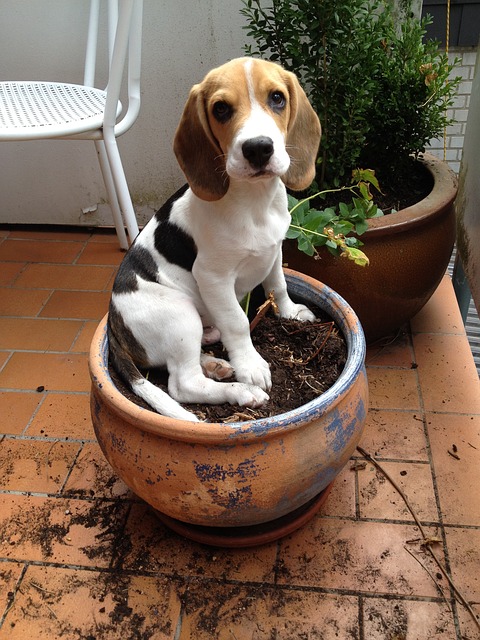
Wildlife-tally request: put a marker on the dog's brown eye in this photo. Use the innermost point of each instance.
(222, 111)
(277, 100)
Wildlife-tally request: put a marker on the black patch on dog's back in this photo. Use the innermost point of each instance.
(137, 261)
(171, 241)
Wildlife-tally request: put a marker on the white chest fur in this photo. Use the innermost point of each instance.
(239, 235)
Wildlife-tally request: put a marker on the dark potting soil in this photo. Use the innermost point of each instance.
(396, 194)
(305, 360)
(400, 194)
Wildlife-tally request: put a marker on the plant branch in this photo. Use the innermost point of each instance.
(313, 233)
(263, 309)
(321, 193)
(427, 541)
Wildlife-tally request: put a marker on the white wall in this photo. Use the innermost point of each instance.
(54, 181)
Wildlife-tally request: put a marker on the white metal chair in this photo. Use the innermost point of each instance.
(39, 110)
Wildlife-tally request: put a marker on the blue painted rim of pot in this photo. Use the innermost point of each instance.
(302, 288)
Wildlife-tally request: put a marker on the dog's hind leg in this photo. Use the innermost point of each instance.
(191, 385)
(193, 377)
(216, 368)
(211, 335)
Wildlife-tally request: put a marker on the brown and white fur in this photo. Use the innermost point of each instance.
(247, 130)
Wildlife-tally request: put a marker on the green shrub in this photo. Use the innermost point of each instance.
(381, 91)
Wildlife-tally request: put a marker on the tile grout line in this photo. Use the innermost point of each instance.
(257, 584)
(85, 244)
(11, 600)
(34, 413)
(70, 470)
(361, 617)
(77, 337)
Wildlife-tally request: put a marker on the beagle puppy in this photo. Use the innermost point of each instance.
(247, 130)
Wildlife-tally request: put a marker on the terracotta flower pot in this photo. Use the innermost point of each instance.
(409, 252)
(277, 470)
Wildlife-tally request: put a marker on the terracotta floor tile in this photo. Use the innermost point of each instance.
(22, 302)
(464, 554)
(63, 415)
(13, 250)
(110, 284)
(9, 272)
(392, 388)
(341, 501)
(84, 338)
(104, 235)
(101, 253)
(443, 360)
(370, 557)
(395, 434)
(93, 476)
(241, 613)
(74, 235)
(16, 409)
(391, 353)
(36, 334)
(468, 628)
(457, 480)
(441, 313)
(71, 603)
(76, 277)
(379, 499)
(388, 619)
(64, 531)
(155, 548)
(76, 304)
(32, 465)
(55, 372)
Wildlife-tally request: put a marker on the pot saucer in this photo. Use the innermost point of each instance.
(248, 536)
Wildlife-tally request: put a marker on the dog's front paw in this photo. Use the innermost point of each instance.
(253, 370)
(250, 396)
(299, 312)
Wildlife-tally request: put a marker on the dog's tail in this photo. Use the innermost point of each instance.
(124, 365)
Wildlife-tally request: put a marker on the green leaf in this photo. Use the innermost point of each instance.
(343, 227)
(357, 256)
(306, 246)
(361, 227)
(292, 234)
(344, 209)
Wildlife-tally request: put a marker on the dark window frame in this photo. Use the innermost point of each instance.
(464, 21)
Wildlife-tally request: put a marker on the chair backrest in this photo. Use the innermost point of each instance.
(124, 38)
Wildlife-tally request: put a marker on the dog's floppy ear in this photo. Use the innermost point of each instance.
(303, 137)
(197, 151)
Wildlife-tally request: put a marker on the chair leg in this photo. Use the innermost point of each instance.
(111, 193)
(121, 186)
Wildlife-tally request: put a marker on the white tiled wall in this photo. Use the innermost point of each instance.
(459, 111)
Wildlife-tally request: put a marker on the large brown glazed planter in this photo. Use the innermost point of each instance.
(409, 252)
(261, 478)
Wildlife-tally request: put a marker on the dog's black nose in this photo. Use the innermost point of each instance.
(258, 151)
